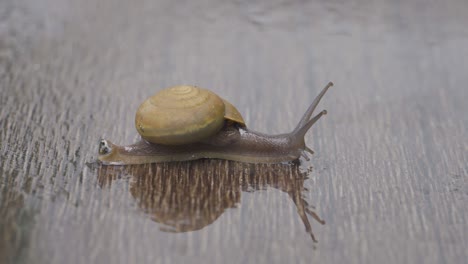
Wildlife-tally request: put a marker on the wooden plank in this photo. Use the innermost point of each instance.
(389, 178)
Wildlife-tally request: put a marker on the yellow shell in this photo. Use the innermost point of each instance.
(183, 114)
(232, 114)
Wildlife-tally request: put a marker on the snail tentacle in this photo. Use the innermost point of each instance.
(312, 107)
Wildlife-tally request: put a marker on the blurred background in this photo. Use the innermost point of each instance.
(389, 175)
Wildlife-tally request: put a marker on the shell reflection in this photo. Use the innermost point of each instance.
(187, 196)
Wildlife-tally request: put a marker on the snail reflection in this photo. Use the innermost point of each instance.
(187, 196)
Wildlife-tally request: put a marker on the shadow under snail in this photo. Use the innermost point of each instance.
(187, 123)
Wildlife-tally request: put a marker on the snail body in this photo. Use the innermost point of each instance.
(187, 123)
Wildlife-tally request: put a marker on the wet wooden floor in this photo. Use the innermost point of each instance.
(388, 182)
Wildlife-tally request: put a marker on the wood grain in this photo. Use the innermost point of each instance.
(389, 176)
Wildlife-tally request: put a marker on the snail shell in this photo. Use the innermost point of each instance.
(184, 114)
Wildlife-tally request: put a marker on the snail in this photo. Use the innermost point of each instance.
(184, 123)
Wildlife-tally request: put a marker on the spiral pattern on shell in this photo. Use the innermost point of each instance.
(180, 115)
